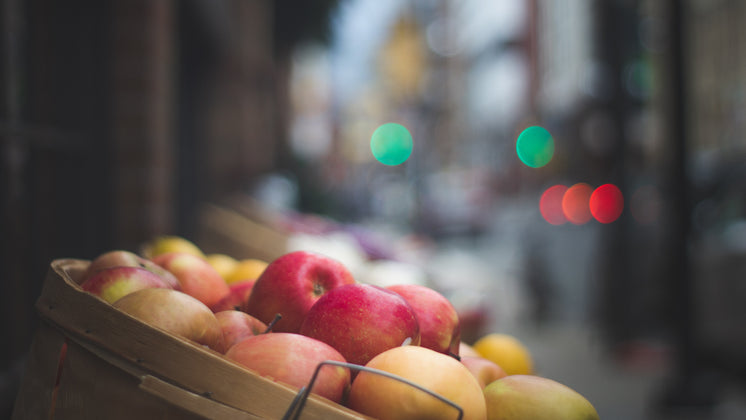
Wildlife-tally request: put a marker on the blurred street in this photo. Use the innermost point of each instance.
(569, 171)
(622, 383)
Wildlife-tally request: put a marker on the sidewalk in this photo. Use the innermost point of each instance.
(619, 391)
(566, 347)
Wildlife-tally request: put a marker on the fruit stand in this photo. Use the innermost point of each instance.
(119, 367)
(174, 332)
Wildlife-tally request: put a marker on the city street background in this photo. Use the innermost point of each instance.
(124, 119)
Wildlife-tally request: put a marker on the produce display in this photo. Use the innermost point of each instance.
(281, 319)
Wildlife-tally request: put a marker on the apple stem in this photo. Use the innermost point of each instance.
(454, 355)
(272, 324)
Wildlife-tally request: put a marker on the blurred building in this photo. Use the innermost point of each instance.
(716, 114)
(641, 94)
(120, 118)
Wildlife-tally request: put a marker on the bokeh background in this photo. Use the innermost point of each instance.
(122, 120)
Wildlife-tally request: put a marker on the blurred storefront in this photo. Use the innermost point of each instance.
(638, 94)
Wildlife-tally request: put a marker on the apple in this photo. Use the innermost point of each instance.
(361, 321)
(195, 275)
(474, 321)
(111, 284)
(507, 351)
(467, 350)
(238, 295)
(222, 263)
(237, 325)
(176, 312)
(291, 359)
(246, 269)
(165, 244)
(439, 323)
(381, 397)
(486, 371)
(123, 258)
(521, 397)
(291, 284)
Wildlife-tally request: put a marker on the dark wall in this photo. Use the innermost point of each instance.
(55, 170)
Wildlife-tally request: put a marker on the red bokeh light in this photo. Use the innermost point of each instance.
(575, 203)
(550, 205)
(606, 203)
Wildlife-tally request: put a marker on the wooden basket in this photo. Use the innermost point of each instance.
(117, 367)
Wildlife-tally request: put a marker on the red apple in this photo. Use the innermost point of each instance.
(237, 325)
(381, 397)
(176, 312)
(196, 276)
(486, 371)
(361, 321)
(238, 295)
(122, 258)
(474, 322)
(291, 284)
(292, 359)
(111, 284)
(440, 329)
(465, 349)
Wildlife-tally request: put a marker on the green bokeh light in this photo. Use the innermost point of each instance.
(535, 147)
(391, 144)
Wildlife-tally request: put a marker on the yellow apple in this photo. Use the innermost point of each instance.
(530, 397)
(385, 398)
(507, 351)
(222, 263)
(246, 269)
(169, 243)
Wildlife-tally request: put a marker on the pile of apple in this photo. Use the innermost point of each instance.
(305, 308)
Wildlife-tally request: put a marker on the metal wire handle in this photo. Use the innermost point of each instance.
(296, 406)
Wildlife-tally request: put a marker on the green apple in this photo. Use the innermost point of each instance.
(531, 397)
(175, 312)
